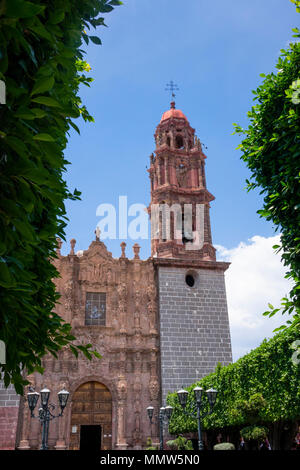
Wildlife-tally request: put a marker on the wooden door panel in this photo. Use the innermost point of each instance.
(92, 405)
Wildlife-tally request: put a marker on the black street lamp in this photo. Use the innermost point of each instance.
(197, 407)
(45, 412)
(164, 417)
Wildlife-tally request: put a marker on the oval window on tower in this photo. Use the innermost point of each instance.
(190, 278)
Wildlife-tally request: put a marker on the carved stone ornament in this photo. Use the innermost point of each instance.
(153, 389)
(122, 388)
(181, 174)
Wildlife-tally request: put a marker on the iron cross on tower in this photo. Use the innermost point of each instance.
(172, 87)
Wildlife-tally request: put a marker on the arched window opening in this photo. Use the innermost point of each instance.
(179, 142)
(187, 227)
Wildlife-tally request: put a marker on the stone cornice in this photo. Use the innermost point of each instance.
(169, 189)
(191, 263)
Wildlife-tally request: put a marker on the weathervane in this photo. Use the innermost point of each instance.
(172, 87)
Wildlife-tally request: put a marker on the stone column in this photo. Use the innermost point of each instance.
(121, 410)
(154, 392)
(173, 175)
(122, 303)
(167, 170)
(158, 173)
(61, 443)
(201, 185)
(24, 442)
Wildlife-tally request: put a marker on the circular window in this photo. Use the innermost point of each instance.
(190, 280)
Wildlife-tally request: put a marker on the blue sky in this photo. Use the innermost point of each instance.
(215, 52)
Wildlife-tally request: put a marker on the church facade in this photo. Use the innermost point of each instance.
(159, 324)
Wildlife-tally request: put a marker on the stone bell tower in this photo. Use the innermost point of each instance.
(193, 317)
(178, 191)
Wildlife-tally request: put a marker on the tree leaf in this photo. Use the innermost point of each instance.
(43, 84)
(95, 39)
(46, 101)
(6, 280)
(22, 9)
(44, 137)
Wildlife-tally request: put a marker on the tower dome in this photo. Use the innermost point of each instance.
(173, 113)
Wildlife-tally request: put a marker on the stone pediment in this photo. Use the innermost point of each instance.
(97, 252)
(96, 264)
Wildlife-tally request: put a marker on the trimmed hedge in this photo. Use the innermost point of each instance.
(261, 387)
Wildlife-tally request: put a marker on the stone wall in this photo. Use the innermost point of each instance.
(9, 407)
(194, 326)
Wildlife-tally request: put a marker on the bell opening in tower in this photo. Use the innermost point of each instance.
(179, 142)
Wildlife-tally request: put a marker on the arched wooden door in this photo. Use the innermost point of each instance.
(91, 414)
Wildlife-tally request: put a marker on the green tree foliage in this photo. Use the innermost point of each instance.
(41, 63)
(260, 388)
(271, 150)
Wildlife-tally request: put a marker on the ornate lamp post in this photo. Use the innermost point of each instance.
(164, 416)
(198, 406)
(45, 411)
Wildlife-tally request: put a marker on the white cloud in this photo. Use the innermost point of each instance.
(254, 279)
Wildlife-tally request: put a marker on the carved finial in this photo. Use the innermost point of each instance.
(123, 246)
(197, 143)
(59, 244)
(72, 243)
(136, 249)
(97, 232)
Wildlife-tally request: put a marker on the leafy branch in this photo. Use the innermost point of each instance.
(42, 65)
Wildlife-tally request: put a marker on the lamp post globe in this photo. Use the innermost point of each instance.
(32, 398)
(169, 411)
(182, 397)
(198, 392)
(212, 396)
(45, 394)
(150, 411)
(63, 397)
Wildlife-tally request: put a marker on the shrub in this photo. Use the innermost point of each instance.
(180, 443)
(224, 446)
(254, 433)
(149, 444)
